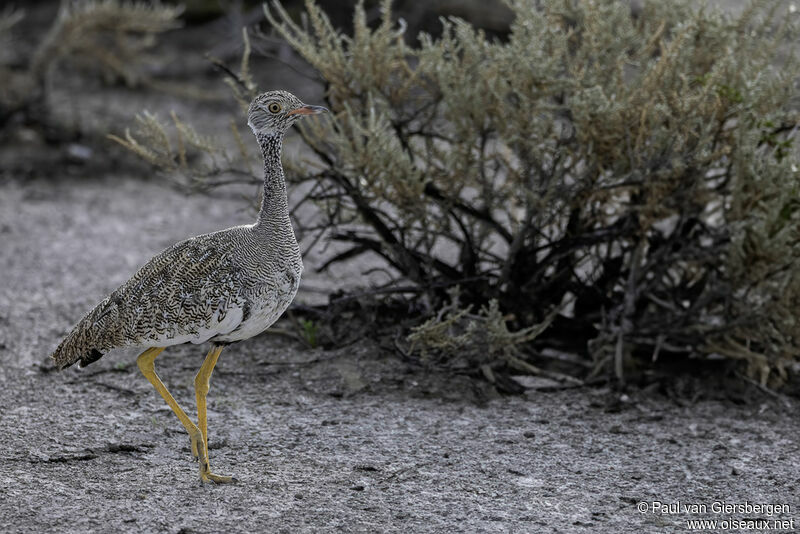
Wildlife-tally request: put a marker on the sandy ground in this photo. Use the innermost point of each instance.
(351, 440)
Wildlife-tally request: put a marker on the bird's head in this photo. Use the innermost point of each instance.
(274, 112)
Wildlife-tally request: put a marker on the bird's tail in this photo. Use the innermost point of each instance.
(80, 346)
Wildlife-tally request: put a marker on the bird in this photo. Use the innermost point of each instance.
(217, 288)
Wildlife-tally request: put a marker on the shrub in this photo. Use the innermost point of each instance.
(106, 37)
(625, 176)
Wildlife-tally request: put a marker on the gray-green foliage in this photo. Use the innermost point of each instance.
(640, 163)
(106, 37)
(189, 157)
(634, 168)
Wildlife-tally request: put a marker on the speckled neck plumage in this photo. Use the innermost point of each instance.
(274, 212)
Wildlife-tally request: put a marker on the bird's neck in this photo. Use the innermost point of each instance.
(274, 210)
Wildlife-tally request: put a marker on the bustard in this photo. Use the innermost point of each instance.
(221, 287)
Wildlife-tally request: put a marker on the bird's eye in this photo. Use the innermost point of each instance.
(274, 107)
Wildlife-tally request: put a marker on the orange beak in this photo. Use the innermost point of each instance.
(308, 110)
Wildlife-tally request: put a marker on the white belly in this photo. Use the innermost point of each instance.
(258, 321)
(264, 311)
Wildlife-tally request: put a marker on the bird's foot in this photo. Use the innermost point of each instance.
(197, 444)
(207, 476)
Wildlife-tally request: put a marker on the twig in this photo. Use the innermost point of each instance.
(522, 365)
(219, 64)
(626, 320)
(774, 394)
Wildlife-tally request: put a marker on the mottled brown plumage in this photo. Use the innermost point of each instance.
(207, 288)
(220, 287)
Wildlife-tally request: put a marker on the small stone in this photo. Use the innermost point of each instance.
(78, 152)
(298, 496)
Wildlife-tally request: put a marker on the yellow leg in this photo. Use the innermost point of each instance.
(201, 385)
(145, 363)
